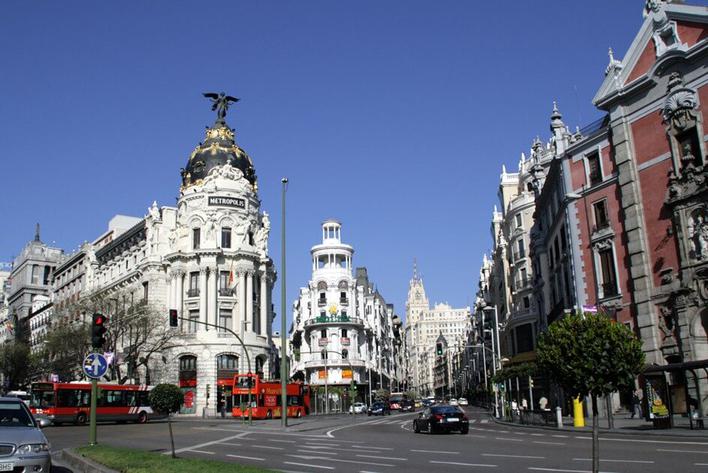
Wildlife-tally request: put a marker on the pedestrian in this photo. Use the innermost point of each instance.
(542, 403)
(636, 404)
(524, 404)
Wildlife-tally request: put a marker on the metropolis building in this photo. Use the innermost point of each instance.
(207, 258)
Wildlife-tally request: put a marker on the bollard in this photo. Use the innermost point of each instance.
(559, 417)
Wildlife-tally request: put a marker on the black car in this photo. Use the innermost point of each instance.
(379, 409)
(407, 405)
(441, 419)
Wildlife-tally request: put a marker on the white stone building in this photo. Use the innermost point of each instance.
(423, 327)
(343, 331)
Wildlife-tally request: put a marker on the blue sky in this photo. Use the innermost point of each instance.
(394, 117)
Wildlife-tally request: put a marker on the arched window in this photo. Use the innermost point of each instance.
(227, 362)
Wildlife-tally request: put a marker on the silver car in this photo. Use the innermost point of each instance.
(22, 443)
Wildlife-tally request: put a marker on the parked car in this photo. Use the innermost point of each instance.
(463, 402)
(357, 408)
(442, 418)
(379, 409)
(23, 446)
(407, 405)
(428, 402)
(453, 402)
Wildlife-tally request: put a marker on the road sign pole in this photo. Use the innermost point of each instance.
(92, 413)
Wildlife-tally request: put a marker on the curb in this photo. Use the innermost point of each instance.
(603, 430)
(81, 464)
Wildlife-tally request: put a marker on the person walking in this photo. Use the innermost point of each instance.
(636, 404)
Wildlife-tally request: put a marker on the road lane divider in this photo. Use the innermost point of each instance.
(482, 465)
(322, 467)
(612, 460)
(245, 457)
(435, 451)
(376, 457)
(508, 455)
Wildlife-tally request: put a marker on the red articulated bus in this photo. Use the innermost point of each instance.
(71, 402)
(266, 398)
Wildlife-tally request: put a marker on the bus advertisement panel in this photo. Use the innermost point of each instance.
(71, 402)
(265, 398)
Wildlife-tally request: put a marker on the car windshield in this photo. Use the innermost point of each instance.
(378, 405)
(14, 414)
(446, 410)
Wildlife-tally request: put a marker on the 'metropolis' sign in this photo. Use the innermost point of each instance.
(227, 202)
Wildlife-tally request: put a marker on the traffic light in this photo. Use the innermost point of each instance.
(173, 318)
(98, 330)
(439, 349)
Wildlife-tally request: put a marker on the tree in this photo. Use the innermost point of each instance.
(64, 349)
(15, 364)
(167, 399)
(590, 355)
(381, 395)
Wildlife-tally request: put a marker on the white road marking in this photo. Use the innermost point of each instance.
(563, 471)
(281, 441)
(548, 443)
(611, 460)
(512, 456)
(365, 471)
(206, 444)
(477, 436)
(231, 444)
(537, 435)
(319, 446)
(268, 447)
(561, 436)
(472, 421)
(382, 458)
(484, 421)
(371, 448)
(310, 466)
(246, 458)
(582, 437)
(679, 451)
(653, 441)
(463, 464)
(339, 460)
(318, 452)
(435, 451)
(508, 439)
(201, 451)
(701, 464)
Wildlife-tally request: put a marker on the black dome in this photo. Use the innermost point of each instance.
(218, 149)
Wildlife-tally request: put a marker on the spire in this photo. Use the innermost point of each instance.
(614, 65)
(556, 118)
(415, 269)
(36, 234)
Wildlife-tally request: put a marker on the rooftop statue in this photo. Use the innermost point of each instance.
(220, 103)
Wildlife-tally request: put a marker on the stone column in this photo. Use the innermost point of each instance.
(263, 329)
(249, 301)
(242, 301)
(203, 297)
(179, 293)
(211, 297)
(171, 289)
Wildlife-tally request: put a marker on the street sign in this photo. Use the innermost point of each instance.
(95, 365)
(323, 342)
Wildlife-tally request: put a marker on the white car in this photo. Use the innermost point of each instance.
(453, 402)
(357, 408)
(462, 401)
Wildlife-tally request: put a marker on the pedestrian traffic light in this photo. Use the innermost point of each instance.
(173, 318)
(98, 330)
(438, 349)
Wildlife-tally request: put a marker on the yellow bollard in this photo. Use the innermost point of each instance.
(578, 417)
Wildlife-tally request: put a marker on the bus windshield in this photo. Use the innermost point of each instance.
(42, 398)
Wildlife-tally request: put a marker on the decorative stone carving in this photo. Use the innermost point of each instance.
(680, 105)
(261, 237)
(601, 245)
(698, 234)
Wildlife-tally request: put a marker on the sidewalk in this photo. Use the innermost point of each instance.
(622, 425)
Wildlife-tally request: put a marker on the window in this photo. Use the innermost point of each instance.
(145, 292)
(193, 290)
(324, 354)
(224, 283)
(521, 248)
(518, 220)
(345, 354)
(45, 280)
(524, 338)
(196, 237)
(609, 277)
(188, 363)
(226, 237)
(594, 170)
(193, 319)
(600, 211)
(323, 333)
(344, 333)
(224, 319)
(227, 362)
(35, 274)
(527, 302)
(250, 238)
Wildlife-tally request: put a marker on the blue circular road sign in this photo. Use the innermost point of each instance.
(95, 365)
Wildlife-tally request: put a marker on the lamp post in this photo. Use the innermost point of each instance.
(283, 339)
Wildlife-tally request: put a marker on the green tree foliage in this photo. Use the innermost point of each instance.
(15, 364)
(166, 399)
(381, 395)
(64, 349)
(590, 355)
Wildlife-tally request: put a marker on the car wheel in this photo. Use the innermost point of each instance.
(465, 431)
(80, 419)
(142, 417)
(269, 415)
(56, 423)
(369, 414)
(416, 429)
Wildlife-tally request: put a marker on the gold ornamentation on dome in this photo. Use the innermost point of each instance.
(333, 309)
(223, 133)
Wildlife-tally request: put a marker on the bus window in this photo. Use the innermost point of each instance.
(143, 398)
(113, 398)
(294, 401)
(42, 399)
(130, 398)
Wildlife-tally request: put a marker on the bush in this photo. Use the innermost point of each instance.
(166, 398)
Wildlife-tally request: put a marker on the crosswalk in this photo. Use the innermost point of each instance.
(399, 422)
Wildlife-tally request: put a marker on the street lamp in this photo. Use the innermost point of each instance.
(283, 339)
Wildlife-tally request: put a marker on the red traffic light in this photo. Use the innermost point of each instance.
(99, 319)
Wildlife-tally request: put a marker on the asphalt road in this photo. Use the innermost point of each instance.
(364, 444)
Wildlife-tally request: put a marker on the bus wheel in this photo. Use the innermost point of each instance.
(142, 417)
(80, 419)
(269, 415)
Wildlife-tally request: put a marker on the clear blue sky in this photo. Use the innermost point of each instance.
(393, 116)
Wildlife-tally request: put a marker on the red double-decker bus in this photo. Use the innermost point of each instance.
(71, 402)
(266, 398)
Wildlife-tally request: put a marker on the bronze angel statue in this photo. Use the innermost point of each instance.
(220, 103)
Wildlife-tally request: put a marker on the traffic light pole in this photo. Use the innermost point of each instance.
(92, 413)
(245, 351)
